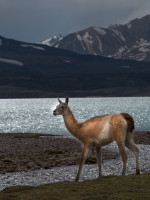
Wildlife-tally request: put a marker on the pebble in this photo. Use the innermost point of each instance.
(68, 173)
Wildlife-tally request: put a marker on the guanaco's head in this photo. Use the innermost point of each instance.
(61, 108)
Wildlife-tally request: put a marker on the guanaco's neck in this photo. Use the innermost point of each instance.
(71, 123)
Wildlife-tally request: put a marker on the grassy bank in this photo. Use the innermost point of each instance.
(131, 187)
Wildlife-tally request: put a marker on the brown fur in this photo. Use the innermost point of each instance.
(99, 131)
(129, 120)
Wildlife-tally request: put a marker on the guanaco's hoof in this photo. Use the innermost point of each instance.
(77, 179)
(138, 172)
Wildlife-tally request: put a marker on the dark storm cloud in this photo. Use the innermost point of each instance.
(35, 20)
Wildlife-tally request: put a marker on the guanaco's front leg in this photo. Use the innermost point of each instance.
(84, 155)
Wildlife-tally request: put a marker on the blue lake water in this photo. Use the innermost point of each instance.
(36, 115)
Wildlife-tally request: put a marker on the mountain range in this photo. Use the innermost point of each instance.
(34, 70)
(129, 41)
(31, 70)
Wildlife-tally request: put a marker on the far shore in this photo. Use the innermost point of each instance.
(31, 151)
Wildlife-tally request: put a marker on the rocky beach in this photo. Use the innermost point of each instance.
(36, 159)
(26, 151)
(23, 152)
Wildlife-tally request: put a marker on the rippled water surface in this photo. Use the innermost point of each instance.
(35, 115)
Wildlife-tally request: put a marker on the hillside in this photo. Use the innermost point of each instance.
(108, 187)
(35, 70)
(129, 41)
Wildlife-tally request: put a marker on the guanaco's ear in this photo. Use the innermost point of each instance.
(67, 100)
(59, 100)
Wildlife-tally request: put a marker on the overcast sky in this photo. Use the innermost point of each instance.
(36, 20)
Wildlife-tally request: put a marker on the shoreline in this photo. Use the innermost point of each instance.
(30, 151)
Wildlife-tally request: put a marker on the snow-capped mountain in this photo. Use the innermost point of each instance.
(37, 70)
(51, 41)
(129, 41)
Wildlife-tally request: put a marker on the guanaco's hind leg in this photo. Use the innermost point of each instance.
(84, 155)
(99, 159)
(131, 145)
(121, 147)
(119, 130)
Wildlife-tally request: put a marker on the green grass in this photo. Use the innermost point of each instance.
(91, 160)
(53, 152)
(131, 187)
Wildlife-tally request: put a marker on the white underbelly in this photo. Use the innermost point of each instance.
(105, 136)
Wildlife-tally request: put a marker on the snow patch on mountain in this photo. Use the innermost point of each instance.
(87, 38)
(46, 42)
(118, 33)
(10, 61)
(81, 41)
(33, 46)
(100, 44)
(129, 26)
(138, 56)
(52, 41)
(79, 37)
(100, 31)
(144, 49)
(141, 41)
(120, 52)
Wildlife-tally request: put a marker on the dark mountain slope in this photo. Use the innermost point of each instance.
(34, 70)
(129, 41)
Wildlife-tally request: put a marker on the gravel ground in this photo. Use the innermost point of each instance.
(23, 152)
(33, 159)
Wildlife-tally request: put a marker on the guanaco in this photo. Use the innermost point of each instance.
(100, 131)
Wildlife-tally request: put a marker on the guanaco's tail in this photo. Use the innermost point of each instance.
(130, 121)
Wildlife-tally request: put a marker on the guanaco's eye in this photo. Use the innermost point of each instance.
(62, 107)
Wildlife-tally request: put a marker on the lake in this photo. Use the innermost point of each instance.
(36, 115)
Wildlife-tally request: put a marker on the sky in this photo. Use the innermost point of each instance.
(37, 20)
